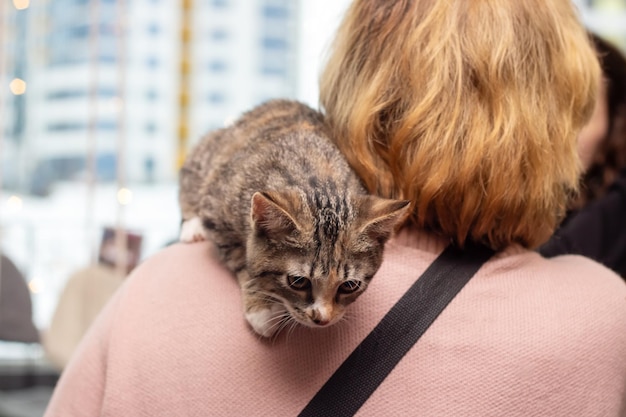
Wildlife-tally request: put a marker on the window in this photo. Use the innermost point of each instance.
(106, 125)
(107, 92)
(66, 126)
(218, 66)
(273, 69)
(84, 31)
(56, 95)
(219, 4)
(151, 127)
(152, 62)
(151, 94)
(274, 64)
(219, 34)
(148, 168)
(103, 125)
(107, 29)
(275, 12)
(81, 31)
(108, 58)
(274, 43)
(103, 92)
(154, 29)
(217, 97)
(106, 167)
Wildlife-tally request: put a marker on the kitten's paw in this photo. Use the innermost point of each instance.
(192, 231)
(268, 321)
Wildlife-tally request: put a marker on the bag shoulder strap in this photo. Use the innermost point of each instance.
(375, 357)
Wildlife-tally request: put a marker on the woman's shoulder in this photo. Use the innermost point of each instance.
(563, 279)
(514, 264)
(548, 325)
(180, 282)
(521, 283)
(565, 292)
(575, 271)
(179, 265)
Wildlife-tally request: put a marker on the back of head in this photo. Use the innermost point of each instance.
(613, 63)
(470, 109)
(610, 156)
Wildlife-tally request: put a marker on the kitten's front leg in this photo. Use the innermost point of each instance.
(192, 230)
(264, 314)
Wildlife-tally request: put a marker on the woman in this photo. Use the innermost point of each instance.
(596, 226)
(453, 105)
(602, 143)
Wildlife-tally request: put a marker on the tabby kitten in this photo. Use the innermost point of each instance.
(287, 216)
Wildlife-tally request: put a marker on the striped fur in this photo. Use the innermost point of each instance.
(282, 205)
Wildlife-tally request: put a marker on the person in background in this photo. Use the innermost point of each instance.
(16, 306)
(453, 105)
(602, 143)
(86, 292)
(596, 225)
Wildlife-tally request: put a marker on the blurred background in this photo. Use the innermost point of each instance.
(100, 100)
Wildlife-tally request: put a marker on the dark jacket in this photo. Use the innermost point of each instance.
(597, 231)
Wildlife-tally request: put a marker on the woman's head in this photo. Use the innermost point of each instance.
(602, 142)
(470, 109)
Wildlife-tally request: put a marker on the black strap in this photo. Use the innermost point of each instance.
(370, 363)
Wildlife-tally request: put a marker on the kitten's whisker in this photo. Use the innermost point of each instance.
(294, 326)
(280, 319)
(281, 326)
(348, 315)
(292, 323)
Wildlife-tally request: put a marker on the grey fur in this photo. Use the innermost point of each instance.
(313, 217)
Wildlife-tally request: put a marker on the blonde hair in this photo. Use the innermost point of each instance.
(469, 109)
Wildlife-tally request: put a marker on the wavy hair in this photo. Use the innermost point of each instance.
(469, 109)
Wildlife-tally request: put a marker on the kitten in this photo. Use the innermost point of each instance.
(287, 216)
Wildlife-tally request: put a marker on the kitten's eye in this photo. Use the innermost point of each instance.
(349, 287)
(298, 283)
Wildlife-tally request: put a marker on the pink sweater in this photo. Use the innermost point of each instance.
(526, 337)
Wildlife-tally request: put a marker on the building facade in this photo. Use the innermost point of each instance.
(104, 82)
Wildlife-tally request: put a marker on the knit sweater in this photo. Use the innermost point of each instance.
(527, 336)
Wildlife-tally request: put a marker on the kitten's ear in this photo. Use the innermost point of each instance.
(380, 216)
(270, 214)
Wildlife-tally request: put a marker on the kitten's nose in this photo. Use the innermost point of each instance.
(321, 315)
